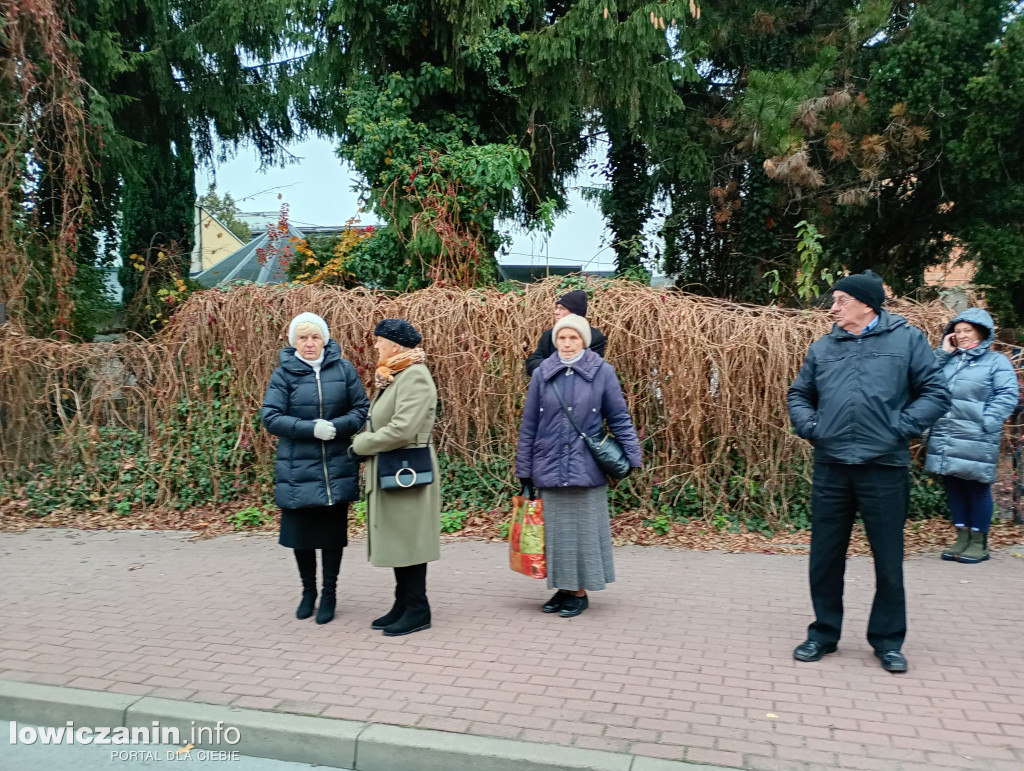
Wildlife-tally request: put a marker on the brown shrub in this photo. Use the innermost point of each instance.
(705, 379)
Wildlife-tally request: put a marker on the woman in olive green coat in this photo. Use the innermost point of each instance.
(403, 526)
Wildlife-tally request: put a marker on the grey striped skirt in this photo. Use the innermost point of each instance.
(577, 538)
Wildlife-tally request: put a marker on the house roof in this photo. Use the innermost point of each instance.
(217, 219)
(527, 274)
(249, 264)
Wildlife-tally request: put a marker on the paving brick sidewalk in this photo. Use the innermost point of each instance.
(687, 656)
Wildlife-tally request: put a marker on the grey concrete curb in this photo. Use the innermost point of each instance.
(50, 705)
(343, 744)
(274, 735)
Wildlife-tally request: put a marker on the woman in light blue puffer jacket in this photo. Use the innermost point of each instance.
(963, 445)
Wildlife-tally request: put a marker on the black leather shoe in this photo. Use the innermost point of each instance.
(556, 602)
(892, 661)
(812, 650)
(574, 606)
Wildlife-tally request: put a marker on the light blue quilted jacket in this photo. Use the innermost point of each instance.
(965, 441)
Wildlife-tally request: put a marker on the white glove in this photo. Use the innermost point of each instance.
(324, 430)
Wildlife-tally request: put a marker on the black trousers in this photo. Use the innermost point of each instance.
(882, 495)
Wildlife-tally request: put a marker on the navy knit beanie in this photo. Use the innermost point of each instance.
(575, 301)
(866, 287)
(399, 331)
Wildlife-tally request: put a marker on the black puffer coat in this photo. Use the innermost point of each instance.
(310, 472)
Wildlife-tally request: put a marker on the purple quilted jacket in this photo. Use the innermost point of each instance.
(550, 452)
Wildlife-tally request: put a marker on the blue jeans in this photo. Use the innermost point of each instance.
(970, 503)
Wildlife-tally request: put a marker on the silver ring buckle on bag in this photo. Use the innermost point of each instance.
(398, 473)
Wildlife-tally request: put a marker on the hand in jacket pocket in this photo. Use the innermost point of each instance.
(810, 431)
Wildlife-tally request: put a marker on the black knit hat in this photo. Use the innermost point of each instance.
(866, 287)
(399, 331)
(575, 301)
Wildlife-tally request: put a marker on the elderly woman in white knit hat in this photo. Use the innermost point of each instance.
(314, 404)
(573, 392)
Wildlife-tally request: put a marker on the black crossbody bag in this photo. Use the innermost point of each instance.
(605, 448)
(404, 468)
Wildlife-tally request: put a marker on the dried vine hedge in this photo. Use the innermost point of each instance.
(705, 380)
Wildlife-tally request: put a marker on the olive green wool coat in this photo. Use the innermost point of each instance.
(403, 527)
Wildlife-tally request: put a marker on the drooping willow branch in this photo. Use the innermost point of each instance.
(705, 379)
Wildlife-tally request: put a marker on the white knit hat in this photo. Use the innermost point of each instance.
(572, 321)
(308, 318)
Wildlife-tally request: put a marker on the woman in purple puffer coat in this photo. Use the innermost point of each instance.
(554, 461)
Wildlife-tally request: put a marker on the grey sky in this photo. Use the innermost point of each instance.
(318, 190)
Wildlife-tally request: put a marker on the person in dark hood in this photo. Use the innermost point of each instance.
(963, 445)
(572, 302)
(864, 390)
(314, 404)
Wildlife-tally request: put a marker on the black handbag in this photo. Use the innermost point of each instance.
(402, 469)
(605, 448)
(405, 468)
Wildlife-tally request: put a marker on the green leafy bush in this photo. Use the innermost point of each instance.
(357, 513)
(453, 521)
(475, 486)
(249, 517)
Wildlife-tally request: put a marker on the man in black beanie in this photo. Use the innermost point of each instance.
(572, 302)
(866, 287)
(864, 390)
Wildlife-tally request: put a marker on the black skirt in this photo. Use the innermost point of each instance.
(318, 527)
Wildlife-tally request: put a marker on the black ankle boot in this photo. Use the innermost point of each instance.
(390, 617)
(398, 608)
(411, 621)
(328, 599)
(328, 602)
(305, 609)
(412, 585)
(306, 559)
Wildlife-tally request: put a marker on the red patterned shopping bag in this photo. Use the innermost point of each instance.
(526, 538)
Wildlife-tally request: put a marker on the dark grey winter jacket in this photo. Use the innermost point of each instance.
(983, 384)
(310, 472)
(860, 398)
